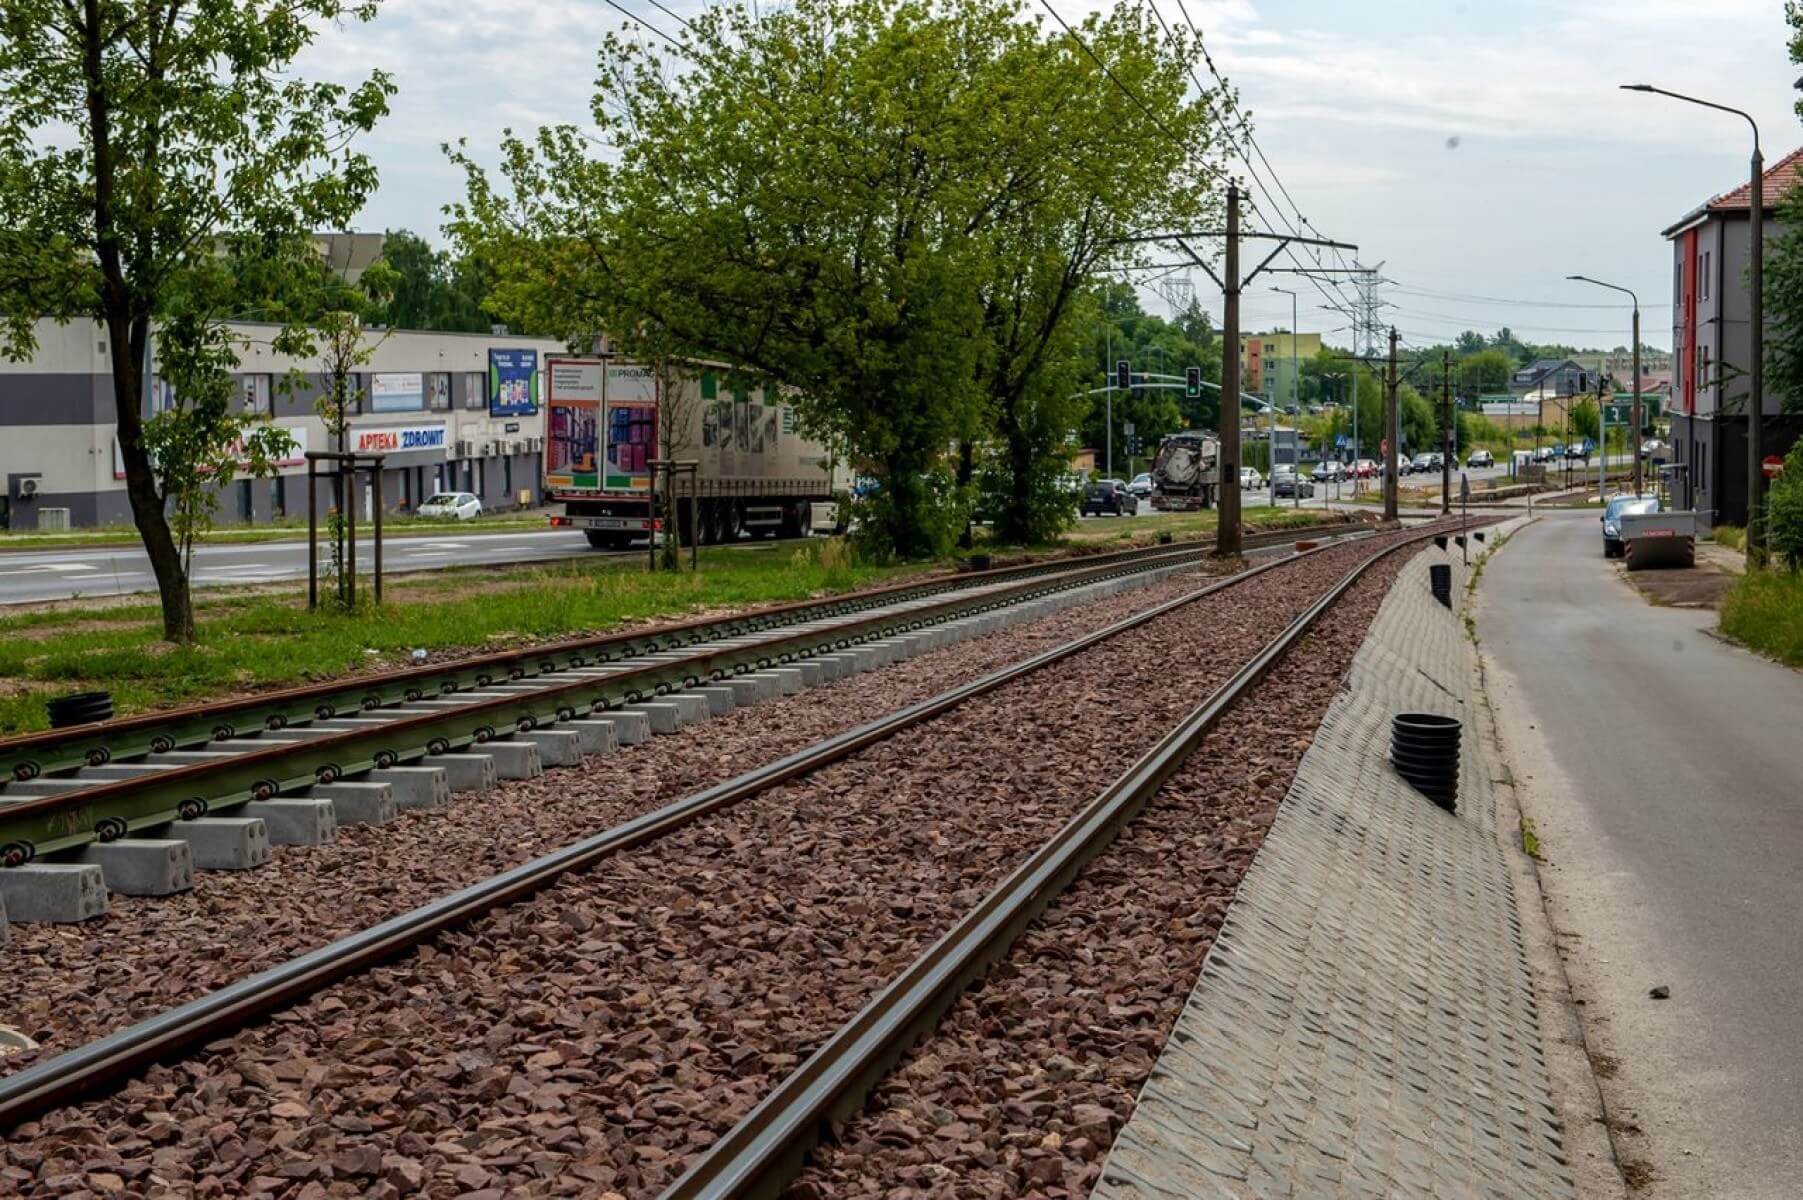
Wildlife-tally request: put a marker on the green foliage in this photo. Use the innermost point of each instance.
(885, 206)
(1784, 511)
(1152, 345)
(1585, 420)
(142, 143)
(1486, 370)
(1784, 304)
(1764, 610)
(432, 289)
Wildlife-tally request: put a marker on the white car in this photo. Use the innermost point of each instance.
(1250, 479)
(1141, 485)
(456, 506)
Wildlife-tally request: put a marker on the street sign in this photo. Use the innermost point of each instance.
(1127, 428)
(1774, 466)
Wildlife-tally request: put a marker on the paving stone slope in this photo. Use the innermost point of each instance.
(1365, 1023)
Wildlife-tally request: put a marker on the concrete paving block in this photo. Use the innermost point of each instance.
(223, 843)
(752, 689)
(59, 892)
(143, 866)
(357, 803)
(595, 737)
(719, 698)
(556, 747)
(694, 709)
(295, 821)
(630, 728)
(471, 771)
(414, 786)
(664, 716)
(515, 759)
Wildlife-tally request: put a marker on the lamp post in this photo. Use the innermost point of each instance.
(1634, 429)
(1756, 319)
(1295, 399)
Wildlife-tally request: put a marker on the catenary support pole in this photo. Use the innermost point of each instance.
(1392, 435)
(1756, 367)
(1227, 531)
(1446, 450)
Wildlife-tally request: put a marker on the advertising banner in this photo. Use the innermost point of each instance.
(294, 456)
(403, 392)
(512, 383)
(573, 423)
(630, 427)
(398, 439)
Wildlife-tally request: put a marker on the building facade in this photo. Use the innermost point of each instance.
(1552, 377)
(449, 411)
(1712, 347)
(1268, 362)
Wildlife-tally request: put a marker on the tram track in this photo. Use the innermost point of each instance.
(1015, 825)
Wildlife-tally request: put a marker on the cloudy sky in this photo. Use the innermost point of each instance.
(1479, 149)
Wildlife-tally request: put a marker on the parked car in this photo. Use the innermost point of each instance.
(1328, 471)
(1581, 450)
(455, 506)
(1619, 506)
(1364, 468)
(1109, 496)
(1546, 454)
(1480, 458)
(1653, 448)
(1422, 462)
(1141, 485)
(1288, 486)
(1250, 479)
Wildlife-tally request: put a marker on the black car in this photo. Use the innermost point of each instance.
(1109, 497)
(1286, 486)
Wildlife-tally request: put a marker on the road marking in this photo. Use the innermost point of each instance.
(56, 567)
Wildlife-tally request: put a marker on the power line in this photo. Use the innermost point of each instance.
(1475, 299)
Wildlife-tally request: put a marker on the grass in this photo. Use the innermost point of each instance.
(254, 643)
(1530, 838)
(281, 529)
(1764, 612)
(1732, 536)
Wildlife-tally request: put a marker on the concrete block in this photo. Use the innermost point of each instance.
(143, 866)
(414, 787)
(471, 771)
(223, 843)
(357, 803)
(187, 758)
(789, 681)
(295, 821)
(594, 737)
(719, 698)
(630, 728)
(814, 673)
(61, 892)
(842, 663)
(515, 760)
(556, 747)
(112, 771)
(664, 716)
(694, 709)
(752, 689)
(33, 789)
(6, 933)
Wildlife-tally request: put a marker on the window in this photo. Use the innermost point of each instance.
(255, 392)
(475, 390)
(1702, 367)
(438, 392)
(1703, 278)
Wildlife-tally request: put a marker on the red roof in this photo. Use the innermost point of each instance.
(1780, 178)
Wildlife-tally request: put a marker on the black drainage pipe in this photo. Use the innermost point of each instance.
(81, 708)
(1439, 578)
(1424, 748)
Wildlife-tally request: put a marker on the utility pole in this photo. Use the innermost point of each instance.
(1634, 434)
(1446, 450)
(1392, 434)
(1227, 527)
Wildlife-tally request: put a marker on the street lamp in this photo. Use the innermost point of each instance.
(1634, 431)
(1756, 281)
(1295, 399)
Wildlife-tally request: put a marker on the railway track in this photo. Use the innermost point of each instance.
(1253, 600)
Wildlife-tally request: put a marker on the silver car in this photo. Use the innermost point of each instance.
(1613, 544)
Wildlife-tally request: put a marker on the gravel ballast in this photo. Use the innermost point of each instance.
(594, 1038)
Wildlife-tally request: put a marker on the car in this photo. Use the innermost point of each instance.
(1288, 486)
(1439, 460)
(1109, 496)
(1545, 454)
(1423, 462)
(1618, 507)
(1480, 458)
(1141, 485)
(1580, 451)
(1653, 448)
(1250, 479)
(1328, 471)
(1364, 468)
(453, 506)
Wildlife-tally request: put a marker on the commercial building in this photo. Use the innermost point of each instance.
(450, 411)
(1712, 349)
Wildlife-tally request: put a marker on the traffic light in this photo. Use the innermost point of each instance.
(1192, 383)
(1123, 375)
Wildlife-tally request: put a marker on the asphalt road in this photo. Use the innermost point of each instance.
(36, 576)
(1661, 765)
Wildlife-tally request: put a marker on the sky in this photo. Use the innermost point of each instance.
(1479, 149)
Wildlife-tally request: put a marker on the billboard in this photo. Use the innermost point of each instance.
(573, 390)
(403, 392)
(512, 383)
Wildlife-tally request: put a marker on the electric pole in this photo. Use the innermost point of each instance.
(1446, 450)
(1227, 528)
(1392, 435)
(1635, 434)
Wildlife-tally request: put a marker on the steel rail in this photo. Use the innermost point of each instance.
(34, 755)
(110, 810)
(89, 1068)
(766, 1150)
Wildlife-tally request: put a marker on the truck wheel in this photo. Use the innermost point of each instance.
(729, 521)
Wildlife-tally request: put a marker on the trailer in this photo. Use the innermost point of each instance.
(1186, 473)
(756, 476)
(1659, 539)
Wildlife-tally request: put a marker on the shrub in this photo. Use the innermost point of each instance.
(1784, 511)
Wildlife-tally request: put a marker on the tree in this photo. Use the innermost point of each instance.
(1470, 342)
(1485, 371)
(139, 141)
(1784, 510)
(433, 290)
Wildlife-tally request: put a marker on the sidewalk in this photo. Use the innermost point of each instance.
(1367, 1023)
